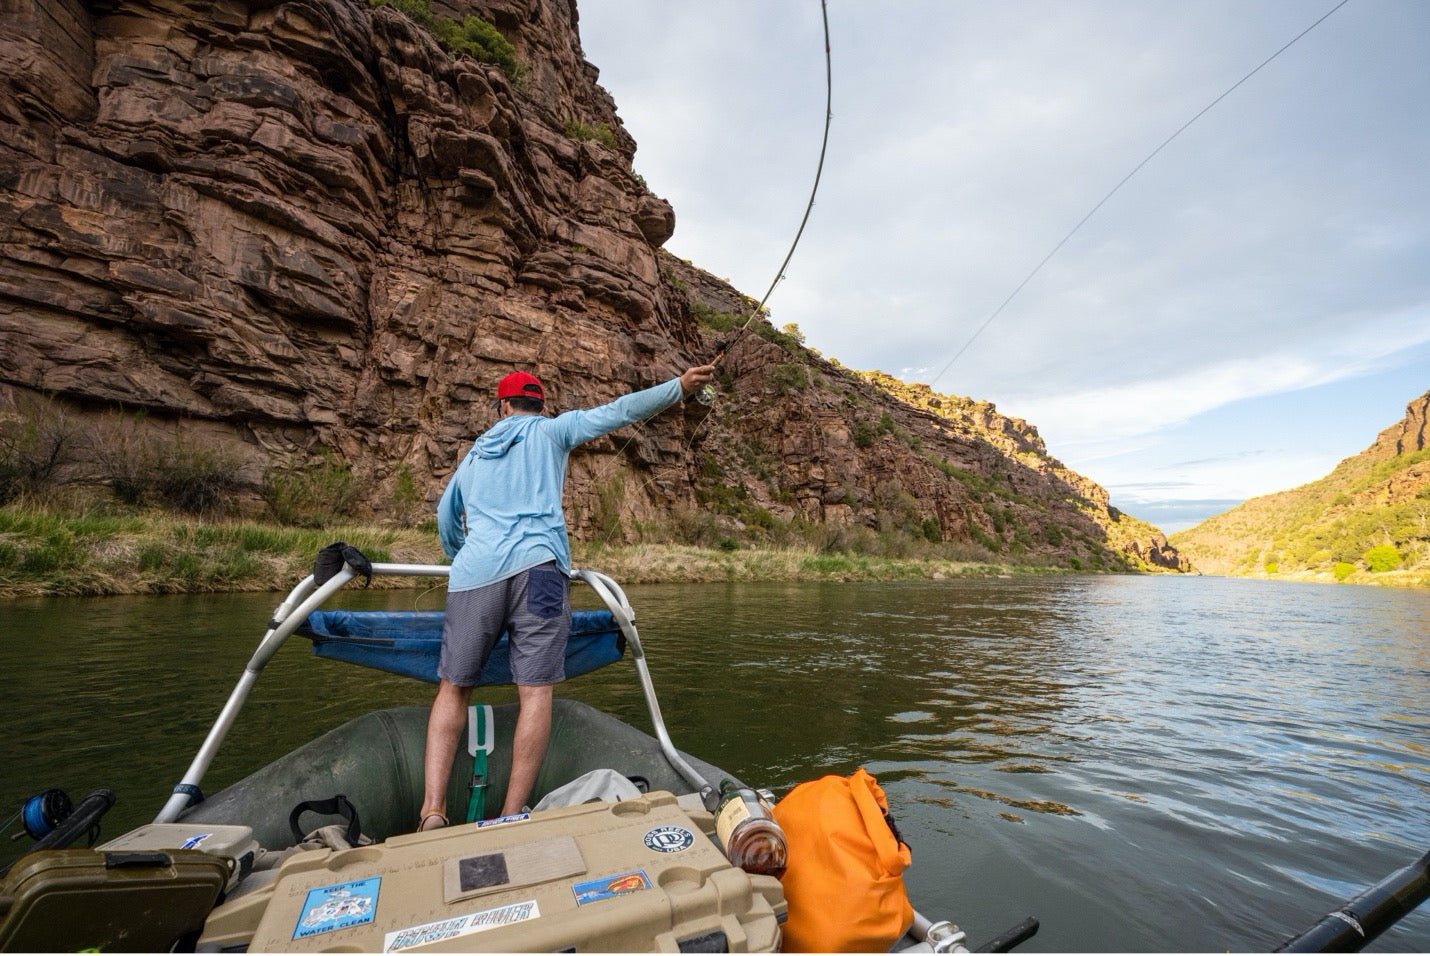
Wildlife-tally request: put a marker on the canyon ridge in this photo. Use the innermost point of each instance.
(310, 235)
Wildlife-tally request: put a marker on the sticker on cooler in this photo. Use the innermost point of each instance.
(458, 926)
(338, 906)
(669, 839)
(608, 886)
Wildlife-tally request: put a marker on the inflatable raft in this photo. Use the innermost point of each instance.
(317, 850)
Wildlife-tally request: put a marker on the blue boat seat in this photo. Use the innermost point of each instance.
(410, 642)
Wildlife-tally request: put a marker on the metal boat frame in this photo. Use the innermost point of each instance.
(308, 596)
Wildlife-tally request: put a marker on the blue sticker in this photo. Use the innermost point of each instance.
(669, 839)
(337, 907)
(192, 843)
(609, 886)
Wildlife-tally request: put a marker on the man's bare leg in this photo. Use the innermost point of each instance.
(533, 731)
(444, 729)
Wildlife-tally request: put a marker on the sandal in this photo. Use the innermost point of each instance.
(428, 814)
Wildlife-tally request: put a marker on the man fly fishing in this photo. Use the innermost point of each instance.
(502, 526)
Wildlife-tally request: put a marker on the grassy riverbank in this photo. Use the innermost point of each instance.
(44, 553)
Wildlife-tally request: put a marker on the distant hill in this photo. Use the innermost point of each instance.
(1368, 521)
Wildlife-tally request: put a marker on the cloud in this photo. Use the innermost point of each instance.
(1276, 246)
(1138, 406)
(1141, 485)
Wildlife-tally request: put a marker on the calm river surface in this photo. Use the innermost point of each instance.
(1142, 763)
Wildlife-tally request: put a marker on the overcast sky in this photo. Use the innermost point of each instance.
(1251, 307)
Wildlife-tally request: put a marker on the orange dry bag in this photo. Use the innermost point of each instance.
(844, 883)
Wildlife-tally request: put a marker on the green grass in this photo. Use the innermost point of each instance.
(46, 552)
(43, 552)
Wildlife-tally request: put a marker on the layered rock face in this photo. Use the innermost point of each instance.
(298, 226)
(307, 220)
(1407, 435)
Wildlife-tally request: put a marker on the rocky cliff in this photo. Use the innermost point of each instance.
(1406, 436)
(309, 230)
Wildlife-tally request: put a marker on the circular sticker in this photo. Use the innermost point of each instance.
(669, 839)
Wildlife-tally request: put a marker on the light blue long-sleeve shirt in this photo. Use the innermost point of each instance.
(501, 511)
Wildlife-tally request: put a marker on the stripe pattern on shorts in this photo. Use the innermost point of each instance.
(533, 606)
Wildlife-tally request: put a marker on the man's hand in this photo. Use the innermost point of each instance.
(695, 378)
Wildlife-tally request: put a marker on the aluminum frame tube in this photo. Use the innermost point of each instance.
(615, 599)
(285, 621)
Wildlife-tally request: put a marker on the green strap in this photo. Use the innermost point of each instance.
(477, 791)
(477, 797)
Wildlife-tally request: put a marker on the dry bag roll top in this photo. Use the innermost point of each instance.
(844, 883)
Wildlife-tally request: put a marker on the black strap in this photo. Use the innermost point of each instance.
(335, 805)
(190, 790)
(331, 558)
(894, 829)
(359, 562)
(116, 860)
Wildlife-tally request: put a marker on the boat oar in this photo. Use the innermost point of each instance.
(1367, 915)
(481, 740)
(1004, 942)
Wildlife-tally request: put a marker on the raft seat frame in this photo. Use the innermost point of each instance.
(308, 596)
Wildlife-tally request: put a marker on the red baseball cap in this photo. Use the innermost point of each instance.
(520, 384)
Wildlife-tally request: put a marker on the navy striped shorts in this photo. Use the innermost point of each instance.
(533, 606)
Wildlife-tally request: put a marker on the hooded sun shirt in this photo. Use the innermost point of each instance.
(501, 511)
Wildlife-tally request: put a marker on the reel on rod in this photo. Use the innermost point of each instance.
(52, 821)
(41, 813)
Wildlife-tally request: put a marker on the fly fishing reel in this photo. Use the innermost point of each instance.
(41, 813)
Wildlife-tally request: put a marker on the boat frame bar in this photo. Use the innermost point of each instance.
(610, 592)
(308, 596)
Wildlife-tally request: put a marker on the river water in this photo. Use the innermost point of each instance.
(1143, 763)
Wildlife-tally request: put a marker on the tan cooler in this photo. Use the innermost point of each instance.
(639, 875)
(233, 843)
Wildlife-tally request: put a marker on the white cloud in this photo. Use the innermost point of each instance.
(1109, 415)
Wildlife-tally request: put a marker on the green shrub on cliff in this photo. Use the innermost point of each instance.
(473, 36)
(789, 378)
(315, 495)
(789, 338)
(589, 132)
(1383, 557)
